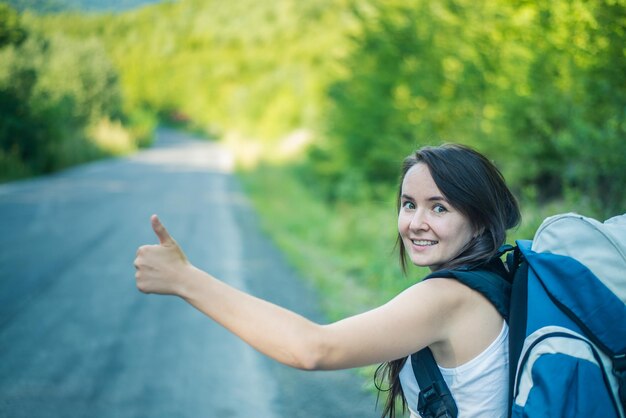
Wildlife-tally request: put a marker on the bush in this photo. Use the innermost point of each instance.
(54, 94)
(539, 88)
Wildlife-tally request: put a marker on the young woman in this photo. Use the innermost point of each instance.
(453, 210)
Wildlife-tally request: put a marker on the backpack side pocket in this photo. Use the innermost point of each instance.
(562, 374)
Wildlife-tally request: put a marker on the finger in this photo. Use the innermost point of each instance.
(160, 231)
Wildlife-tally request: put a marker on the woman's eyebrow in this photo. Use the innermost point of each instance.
(435, 198)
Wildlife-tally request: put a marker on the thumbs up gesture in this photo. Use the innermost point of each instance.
(160, 268)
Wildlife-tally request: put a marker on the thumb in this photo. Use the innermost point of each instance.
(160, 231)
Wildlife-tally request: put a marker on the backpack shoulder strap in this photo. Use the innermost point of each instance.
(491, 279)
(435, 399)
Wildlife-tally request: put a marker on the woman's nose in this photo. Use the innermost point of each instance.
(418, 221)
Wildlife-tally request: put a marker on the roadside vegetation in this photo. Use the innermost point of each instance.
(60, 101)
(321, 100)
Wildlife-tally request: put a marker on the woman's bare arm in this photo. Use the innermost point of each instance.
(414, 319)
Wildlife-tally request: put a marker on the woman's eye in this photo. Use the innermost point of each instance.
(408, 205)
(439, 209)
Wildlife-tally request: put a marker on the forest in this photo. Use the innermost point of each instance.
(540, 87)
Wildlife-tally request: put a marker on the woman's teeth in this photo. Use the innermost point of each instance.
(422, 243)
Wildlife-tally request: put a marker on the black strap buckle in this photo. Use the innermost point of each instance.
(435, 401)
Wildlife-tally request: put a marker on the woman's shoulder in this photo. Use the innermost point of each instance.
(471, 324)
(445, 298)
(456, 295)
(444, 288)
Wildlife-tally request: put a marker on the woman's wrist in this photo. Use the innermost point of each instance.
(189, 281)
(184, 279)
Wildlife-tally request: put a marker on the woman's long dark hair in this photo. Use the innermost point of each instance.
(476, 188)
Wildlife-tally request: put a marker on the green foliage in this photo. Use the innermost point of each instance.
(53, 90)
(11, 31)
(569, 118)
(419, 74)
(539, 87)
(258, 68)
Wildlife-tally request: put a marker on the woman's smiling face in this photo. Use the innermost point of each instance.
(432, 231)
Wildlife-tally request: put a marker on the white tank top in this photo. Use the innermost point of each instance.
(479, 387)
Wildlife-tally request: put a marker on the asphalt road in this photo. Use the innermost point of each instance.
(78, 340)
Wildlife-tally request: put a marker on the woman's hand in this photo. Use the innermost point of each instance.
(161, 268)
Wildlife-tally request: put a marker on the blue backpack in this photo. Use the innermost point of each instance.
(564, 297)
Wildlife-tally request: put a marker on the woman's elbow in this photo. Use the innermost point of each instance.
(312, 355)
(307, 363)
(308, 359)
